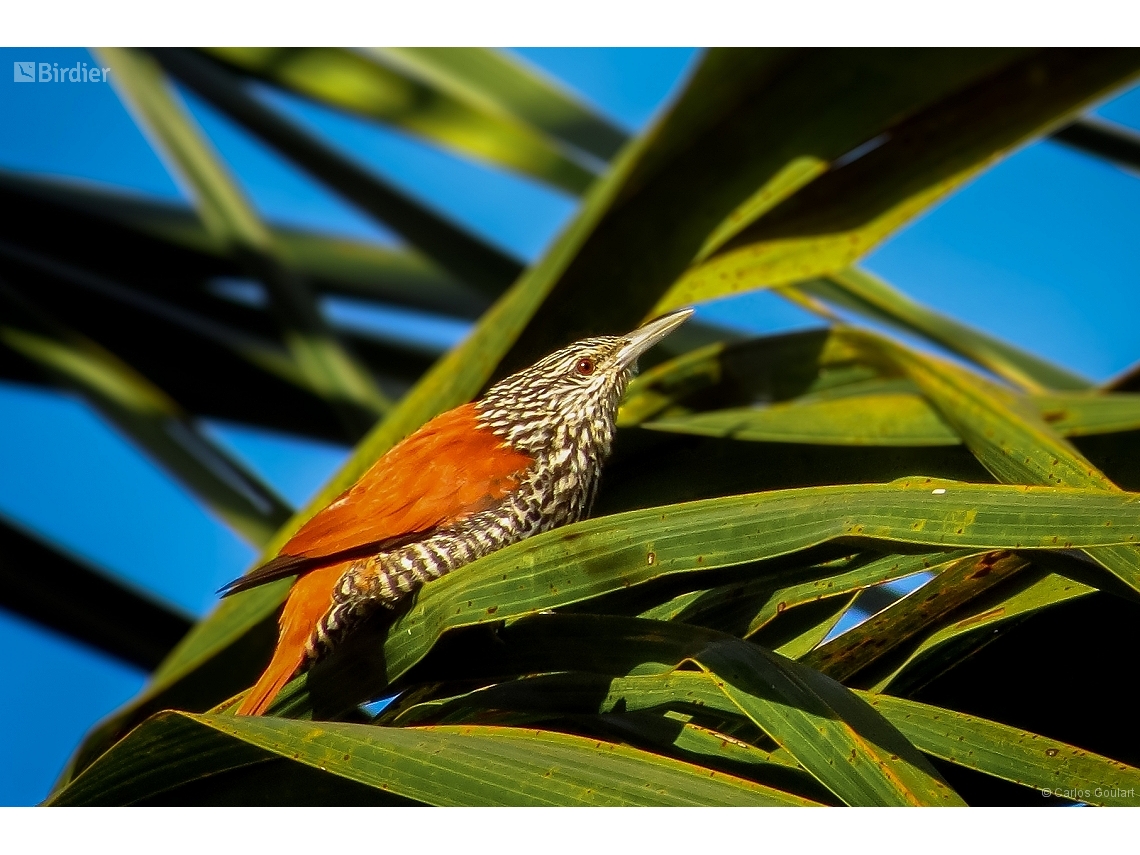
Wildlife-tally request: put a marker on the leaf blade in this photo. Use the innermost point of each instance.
(599, 556)
(950, 138)
(456, 766)
(1010, 753)
(414, 91)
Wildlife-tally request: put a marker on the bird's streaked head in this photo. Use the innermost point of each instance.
(572, 395)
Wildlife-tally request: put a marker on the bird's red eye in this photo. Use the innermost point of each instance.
(585, 366)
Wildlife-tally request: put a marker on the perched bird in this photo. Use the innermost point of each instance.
(522, 460)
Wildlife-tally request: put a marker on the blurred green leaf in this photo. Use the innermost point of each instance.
(146, 415)
(497, 81)
(437, 97)
(1116, 143)
(83, 602)
(218, 199)
(911, 159)
(333, 264)
(392, 275)
(796, 174)
(486, 268)
(229, 216)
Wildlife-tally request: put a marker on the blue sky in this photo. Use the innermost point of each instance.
(1047, 234)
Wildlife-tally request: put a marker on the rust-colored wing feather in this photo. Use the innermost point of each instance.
(450, 468)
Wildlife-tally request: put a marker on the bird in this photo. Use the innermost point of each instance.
(523, 459)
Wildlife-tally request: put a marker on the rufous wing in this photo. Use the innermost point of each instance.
(448, 469)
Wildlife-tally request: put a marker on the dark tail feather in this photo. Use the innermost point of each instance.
(295, 565)
(279, 568)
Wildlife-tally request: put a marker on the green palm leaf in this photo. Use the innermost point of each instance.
(693, 642)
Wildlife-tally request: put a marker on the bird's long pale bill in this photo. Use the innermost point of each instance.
(643, 338)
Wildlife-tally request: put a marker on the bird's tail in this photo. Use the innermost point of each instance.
(310, 598)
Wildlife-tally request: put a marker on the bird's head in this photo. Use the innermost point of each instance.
(574, 392)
